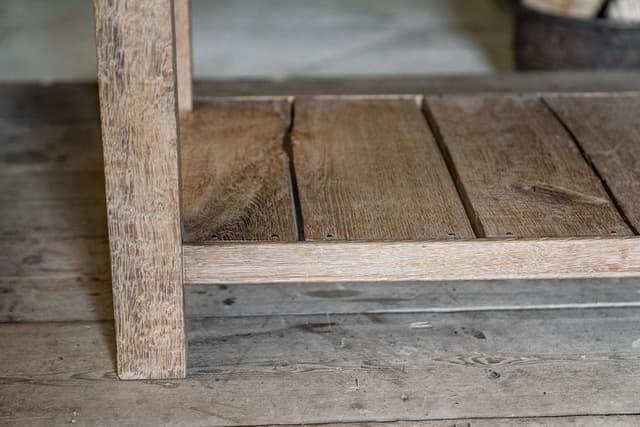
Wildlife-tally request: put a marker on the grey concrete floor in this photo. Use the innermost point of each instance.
(53, 39)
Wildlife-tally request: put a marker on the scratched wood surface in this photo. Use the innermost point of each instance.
(520, 173)
(608, 131)
(549, 341)
(235, 172)
(373, 367)
(371, 170)
(137, 85)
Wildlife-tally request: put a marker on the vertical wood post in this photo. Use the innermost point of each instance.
(137, 84)
(183, 52)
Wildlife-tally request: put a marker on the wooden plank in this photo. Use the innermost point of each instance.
(570, 421)
(558, 81)
(608, 131)
(425, 367)
(521, 173)
(235, 172)
(403, 261)
(370, 169)
(43, 104)
(87, 297)
(336, 298)
(137, 84)
(51, 149)
(52, 187)
(184, 68)
(54, 257)
(71, 297)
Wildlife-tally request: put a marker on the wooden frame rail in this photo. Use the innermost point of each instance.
(480, 259)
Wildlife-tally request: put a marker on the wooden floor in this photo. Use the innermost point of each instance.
(516, 353)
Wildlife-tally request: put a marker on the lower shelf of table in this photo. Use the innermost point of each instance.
(369, 188)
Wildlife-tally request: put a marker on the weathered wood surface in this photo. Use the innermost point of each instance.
(581, 421)
(557, 81)
(37, 387)
(371, 170)
(235, 172)
(184, 67)
(608, 131)
(137, 85)
(339, 368)
(482, 259)
(521, 173)
(53, 149)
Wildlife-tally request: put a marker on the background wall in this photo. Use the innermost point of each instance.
(53, 39)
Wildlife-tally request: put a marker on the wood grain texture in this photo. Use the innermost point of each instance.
(370, 169)
(184, 67)
(235, 172)
(403, 261)
(608, 131)
(562, 421)
(523, 82)
(137, 84)
(52, 149)
(407, 366)
(521, 173)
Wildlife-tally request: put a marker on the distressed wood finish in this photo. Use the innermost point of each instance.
(385, 367)
(399, 261)
(235, 172)
(137, 84)
(608, 131)
(519, 171)
(371, 170)
(184, 67)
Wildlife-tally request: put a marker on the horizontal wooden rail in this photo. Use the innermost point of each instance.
(479, 259)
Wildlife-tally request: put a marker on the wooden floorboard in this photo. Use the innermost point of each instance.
(373, 367)
(287, 354)
(235, 172)
(608, 131)
(520, 173)
(371, 170)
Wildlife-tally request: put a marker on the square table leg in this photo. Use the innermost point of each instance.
(137, 82)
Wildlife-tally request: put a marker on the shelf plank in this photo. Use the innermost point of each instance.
(371, 169)
(235, 172)
(608, 131)
(522, 174)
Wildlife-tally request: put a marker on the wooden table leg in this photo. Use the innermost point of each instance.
(183, 54)
(137, 83)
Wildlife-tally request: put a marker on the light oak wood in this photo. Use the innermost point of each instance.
(235, 172)
(371, 170)
(608, 131)
(137, 84)
(184, 67)
(519, 171)
(399, 261)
